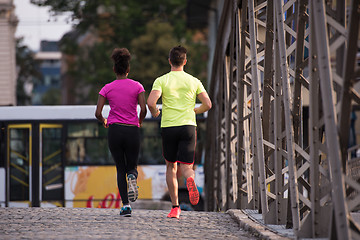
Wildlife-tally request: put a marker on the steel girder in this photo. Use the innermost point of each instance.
(263, 152)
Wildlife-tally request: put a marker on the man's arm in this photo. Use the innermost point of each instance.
(151, 102)
(205, 103)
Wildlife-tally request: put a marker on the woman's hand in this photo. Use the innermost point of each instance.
(105, 123)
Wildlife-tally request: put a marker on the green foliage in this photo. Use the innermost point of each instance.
(150, 53)
(52, 97)
(27, 70)
(149, 29)
(197, 61)
(151, 50)
(91, 70)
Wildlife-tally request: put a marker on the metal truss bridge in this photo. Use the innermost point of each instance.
(283, 87)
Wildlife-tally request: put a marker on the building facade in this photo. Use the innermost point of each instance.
(8, 23)
(47, 89)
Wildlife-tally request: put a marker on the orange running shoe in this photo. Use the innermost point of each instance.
(193, 192)
(174, 213)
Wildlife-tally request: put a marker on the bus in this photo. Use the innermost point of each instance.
(57, 156)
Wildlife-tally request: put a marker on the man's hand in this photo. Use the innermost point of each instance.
(155, 113)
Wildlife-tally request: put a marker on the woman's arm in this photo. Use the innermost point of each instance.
(99, 108)
(143, 110)
(151, 102)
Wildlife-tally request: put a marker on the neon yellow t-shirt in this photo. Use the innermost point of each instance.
(179, 90)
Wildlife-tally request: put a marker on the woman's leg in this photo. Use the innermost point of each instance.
(116, 148)
(132, 149)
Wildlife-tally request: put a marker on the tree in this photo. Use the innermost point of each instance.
(147, 28)
(52, 97)
(27, 70)
(150, 53)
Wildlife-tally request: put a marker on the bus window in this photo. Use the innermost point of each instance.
(151, 145)
(97, 151)
(52, 170)
(86, 144)
(20, 160)
(90, 129)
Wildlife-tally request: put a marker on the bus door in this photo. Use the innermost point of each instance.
(51, 167)
(19, 164)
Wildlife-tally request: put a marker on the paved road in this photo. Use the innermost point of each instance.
(92, 223)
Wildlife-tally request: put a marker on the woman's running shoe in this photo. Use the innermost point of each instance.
(132, 188)
(125, 211)
(193, 192)
(174, 213)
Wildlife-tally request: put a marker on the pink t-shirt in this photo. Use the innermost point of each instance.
(122, 95)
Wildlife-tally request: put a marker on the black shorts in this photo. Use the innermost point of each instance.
(179, 144)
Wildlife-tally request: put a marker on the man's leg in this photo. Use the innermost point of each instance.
(187, 170)
(172, 183)
(189, 174)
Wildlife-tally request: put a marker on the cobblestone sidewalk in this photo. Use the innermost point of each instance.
(91, 223)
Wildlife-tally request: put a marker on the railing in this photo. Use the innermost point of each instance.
(278, 133)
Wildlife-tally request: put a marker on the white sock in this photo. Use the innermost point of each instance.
(127, 205)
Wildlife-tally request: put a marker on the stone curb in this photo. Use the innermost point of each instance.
(256, 228)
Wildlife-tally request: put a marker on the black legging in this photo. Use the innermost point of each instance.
(124, 145)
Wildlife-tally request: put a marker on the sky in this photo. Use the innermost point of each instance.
(35, 24)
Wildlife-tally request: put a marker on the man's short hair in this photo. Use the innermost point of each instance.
(177, 56)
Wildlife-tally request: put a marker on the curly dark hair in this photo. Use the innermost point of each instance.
(121, 58)
(177, 55)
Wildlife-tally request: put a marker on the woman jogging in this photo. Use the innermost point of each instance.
(179, 91)
(123, 95)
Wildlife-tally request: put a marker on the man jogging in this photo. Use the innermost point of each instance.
(179, 91)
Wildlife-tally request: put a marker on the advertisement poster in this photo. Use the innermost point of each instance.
(96, 186)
